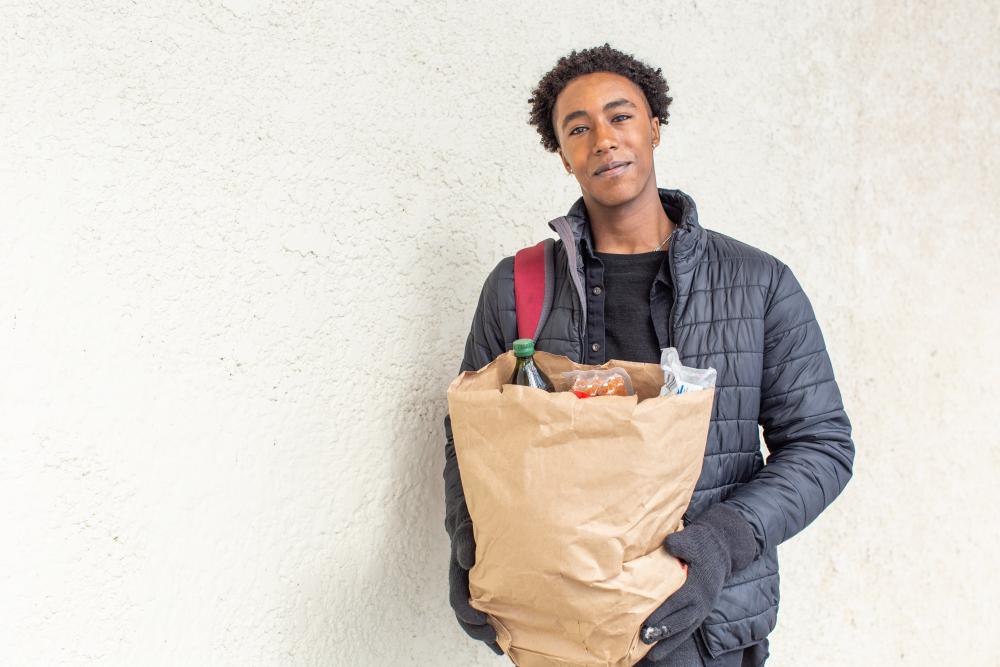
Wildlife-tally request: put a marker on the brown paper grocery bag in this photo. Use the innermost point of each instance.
(571, 500)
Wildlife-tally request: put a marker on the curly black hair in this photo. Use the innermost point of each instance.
(596, 59)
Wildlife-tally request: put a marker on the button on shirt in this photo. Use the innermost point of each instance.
(658, 295)
(628, 328)
(642, 298)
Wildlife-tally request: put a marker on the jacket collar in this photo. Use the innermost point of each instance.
(685, 246)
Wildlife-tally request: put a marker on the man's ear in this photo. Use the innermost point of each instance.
(655, 128)
(565, 163)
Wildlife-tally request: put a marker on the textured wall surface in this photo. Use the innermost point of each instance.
(242, 246)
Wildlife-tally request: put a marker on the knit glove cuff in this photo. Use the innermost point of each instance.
(733, 533)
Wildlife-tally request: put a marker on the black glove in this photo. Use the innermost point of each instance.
(463, 557)
(685, 655)
(714, 545)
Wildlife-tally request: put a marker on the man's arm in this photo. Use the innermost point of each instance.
(810, 462)
(806, 429)
(484, 343)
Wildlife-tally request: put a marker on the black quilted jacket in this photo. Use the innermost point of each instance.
(742, 312)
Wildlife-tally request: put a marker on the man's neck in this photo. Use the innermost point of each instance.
(639, 226)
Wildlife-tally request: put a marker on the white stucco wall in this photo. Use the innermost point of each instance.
(242, 246)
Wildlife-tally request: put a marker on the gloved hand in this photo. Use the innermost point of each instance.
(715, 544)
(686, 654)
(463, 557)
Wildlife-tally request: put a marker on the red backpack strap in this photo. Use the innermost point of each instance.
(533, 287)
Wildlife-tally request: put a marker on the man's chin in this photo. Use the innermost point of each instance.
(614, 197)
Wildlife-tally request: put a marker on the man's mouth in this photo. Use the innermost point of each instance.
(612, 168)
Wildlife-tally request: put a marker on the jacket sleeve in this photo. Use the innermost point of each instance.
(807, 432)
(484, 343)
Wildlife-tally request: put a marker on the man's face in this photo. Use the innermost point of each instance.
(603, 119)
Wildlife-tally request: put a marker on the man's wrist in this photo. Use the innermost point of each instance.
(734, 531)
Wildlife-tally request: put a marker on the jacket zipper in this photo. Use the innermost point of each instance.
(673, 288)
(584, 355)
(685, 520)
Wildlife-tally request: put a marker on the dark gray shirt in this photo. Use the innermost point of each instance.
(628, 327)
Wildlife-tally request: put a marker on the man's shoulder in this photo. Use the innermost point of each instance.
(498, 287)
(723, 249)
(723, 246)
(502, 275)
(501, 279)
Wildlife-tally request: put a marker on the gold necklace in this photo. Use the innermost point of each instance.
(662, 242)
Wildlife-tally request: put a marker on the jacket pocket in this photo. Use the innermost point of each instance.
(747, 609)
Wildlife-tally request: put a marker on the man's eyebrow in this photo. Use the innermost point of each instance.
(620, 102)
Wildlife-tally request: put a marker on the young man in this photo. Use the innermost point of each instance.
(635, 272)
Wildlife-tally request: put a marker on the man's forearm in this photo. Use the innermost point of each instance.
(805, 426)
(455, 510)
(799, 481)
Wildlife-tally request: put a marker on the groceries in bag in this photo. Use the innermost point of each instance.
(680, 379)
(570, 503)
(526, 372)
(605, 382)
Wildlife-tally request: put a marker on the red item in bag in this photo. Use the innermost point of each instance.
(608, 382)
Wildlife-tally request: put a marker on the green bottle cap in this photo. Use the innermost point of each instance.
(524, 347)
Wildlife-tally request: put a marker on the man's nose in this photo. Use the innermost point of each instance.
(604, 138)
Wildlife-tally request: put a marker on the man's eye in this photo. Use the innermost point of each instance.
(621, 115)
(574, 130)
